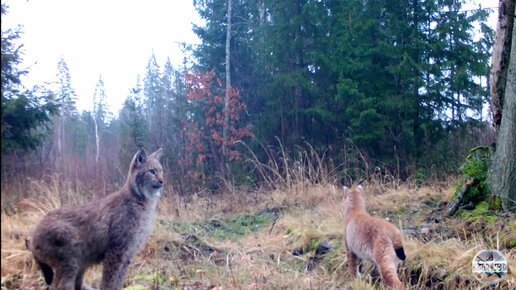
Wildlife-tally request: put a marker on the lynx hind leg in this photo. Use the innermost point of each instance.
(387, 265)
(353, 263)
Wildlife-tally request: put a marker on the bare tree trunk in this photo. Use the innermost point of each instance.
(500, 59)
(502, 175)
(97, 149)
(58, 141)
(62, 145)
(228, 82)
(60, 138)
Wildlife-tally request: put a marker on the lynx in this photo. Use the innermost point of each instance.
(109, 230)
(371, 238)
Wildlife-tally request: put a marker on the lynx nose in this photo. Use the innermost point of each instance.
(158, 183)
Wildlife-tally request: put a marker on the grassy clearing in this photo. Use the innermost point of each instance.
(268, 240)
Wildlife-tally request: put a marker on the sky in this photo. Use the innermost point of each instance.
(109, 38)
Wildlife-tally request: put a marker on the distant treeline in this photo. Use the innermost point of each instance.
(396, 87)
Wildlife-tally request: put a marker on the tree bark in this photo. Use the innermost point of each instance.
(225, 128)
(500, 60)
(502, 175)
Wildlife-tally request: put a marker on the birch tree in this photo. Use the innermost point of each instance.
(228, 82)
(99, 114)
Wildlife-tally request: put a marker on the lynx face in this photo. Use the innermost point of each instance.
(147, 174)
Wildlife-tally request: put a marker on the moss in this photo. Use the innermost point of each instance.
(495, 203)
(481, 208)
(481, 212)
(490, 218)
(239, 226)
(511, 244)
(475, 167)
(458, 187)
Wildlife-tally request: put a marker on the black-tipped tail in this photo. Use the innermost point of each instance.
(400, 253)
(47, 272)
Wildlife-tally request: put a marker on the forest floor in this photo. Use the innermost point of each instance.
(287, 238)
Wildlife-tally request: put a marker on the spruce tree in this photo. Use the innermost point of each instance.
(26, 113)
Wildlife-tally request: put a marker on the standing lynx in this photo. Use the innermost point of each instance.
(371, 238)
(109, 230)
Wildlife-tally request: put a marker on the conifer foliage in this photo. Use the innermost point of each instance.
(396, 87)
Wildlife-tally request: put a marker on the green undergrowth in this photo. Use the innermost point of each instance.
(475, 167)
(475, 171)
(482, 212)
(220, 228)
(511, 238)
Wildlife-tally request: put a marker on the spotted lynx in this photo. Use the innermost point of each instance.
(371, 238)
(109, 230)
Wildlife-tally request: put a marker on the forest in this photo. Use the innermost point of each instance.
(281, 104)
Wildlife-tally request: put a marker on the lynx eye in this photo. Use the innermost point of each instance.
(152, 171)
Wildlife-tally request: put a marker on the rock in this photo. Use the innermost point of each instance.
(298, 251)
(323, 248)
(310, 265)
(215, 223)
(469, 206)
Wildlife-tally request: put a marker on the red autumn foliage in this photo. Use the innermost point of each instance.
(204, 125)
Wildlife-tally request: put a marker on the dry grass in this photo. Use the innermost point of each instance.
(185, 250)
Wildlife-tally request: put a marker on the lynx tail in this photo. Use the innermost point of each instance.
(400, 252)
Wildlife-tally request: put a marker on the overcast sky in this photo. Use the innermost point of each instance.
(112, 38)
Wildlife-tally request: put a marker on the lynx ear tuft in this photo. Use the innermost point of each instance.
(157, 154)
(139, 158)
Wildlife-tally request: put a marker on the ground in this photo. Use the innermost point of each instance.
(288, 238)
